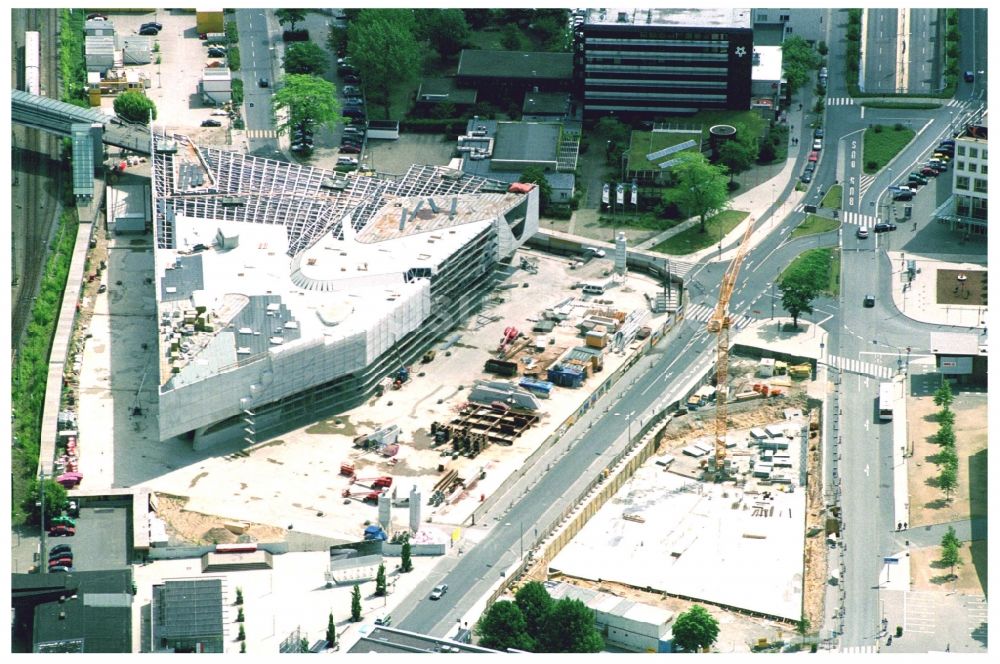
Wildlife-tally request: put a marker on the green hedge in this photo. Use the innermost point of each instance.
(72, 66)
(233, 56)
(30, 371)
(237, 91)
(916, 105)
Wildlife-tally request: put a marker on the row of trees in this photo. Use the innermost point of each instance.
(947, 457)
(799, 61)
(536, 623)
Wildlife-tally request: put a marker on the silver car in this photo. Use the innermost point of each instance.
(439, 591)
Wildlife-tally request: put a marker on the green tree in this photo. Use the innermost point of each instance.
(383, 46)
(478, 18)
(802, 627)
(535, 604)
(947, 456)
(695, 629)
(55, 501)
(549, 29)
(536, 175)
(356, 604)
(738, 155)
(290, 16)
(406, 564)
(569, 627)
(948, 480)
(239, 615)
(303, 645)
(446, 30)
(242, 636)
(380, 585)
(798, 60)
(305, 100)
(239, 596)
(945, 415)
(945, 434)
(950, 555)
(134, 106)
(510, 37)
(700, 189)
(797, 297)
(305, 58)
(243, 646)
(943, 396)
(503, 626)
(336, 39)
(331, 631)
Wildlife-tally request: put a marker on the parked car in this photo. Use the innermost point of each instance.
(806, 177)
(918, 178)
(439, 591)
(216, 52)
(350, 149)
(62, 531)
(817, 144)
(818, 132)
(814, 156)
(811, 167)
(938, 164)
(300, 147)
(96, 17)
(942, 157)
(60, 568)
(55, 555)
(869, 301)
(352, 79)
(930, 172)
(351, 90)
(861, 233)
(347, 161)
(152, 24)
(884, 227)
(60, 548)
(148, 30)
(357, 131)
(210, 123)
(969, 76)
(65, 561)
(823, 73)
(902, 195)
(948, 141)
(385, 620)
(354, 101)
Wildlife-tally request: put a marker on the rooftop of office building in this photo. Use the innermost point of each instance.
(712, 17)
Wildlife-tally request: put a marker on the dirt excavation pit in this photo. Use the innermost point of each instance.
(193, 528)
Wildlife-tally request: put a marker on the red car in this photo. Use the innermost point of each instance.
(57, 531)
(814, 156)
(350, 149)
(927, 170)
(64, 561)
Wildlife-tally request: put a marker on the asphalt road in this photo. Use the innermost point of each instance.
(881, 61)
(258, 60)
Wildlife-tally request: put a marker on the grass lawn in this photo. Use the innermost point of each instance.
(815, 224)
(827, 260)
(880, 147)
(645, 220)
(972, 291)
(693, 239)
(833, 197)
(647, 142)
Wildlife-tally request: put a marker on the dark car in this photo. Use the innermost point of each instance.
(810, 167)
(903, 195)
(60, 548)
(61, 568)
(807, 177)
(152, 24)
(969, 76)
(918, 178)
(352, 79)
(148, 30)
(354, 101)
(210, 123)
(264, 83)
(884, 227)
(869, 301)
(818, 132)
(931, 172)
(216, 52)
(350, 149)
(60, 554)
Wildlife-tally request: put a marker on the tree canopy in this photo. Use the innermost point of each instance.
(798, 60)
(950, 545)
(290, 16)
(695, 629)
(536, 605)
(446, 29)
(943, 395)
(700, 188)
(306, 58)
(383, 46)
(134, 106)
(797, 294)
(569, 627)
(55, 500)
(948, 479)
(739, 154)
(306, 99)
(356, 604)
(503, 626)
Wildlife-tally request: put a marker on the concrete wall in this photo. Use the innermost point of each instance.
(415, 549)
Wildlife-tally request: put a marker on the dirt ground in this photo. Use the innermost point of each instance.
(949, 291)
(927, 574)
(194, 528)
(927, 503)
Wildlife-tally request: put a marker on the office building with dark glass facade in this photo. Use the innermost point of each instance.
(651, 63)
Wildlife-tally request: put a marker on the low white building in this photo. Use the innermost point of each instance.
(217, 85)
(630, 625)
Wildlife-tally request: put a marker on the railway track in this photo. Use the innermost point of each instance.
(37, 177)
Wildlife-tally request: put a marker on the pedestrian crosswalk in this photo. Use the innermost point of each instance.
(680, 268)
(959, 102)
(840, 101)
(261, 133)
(859, 650)
(703, 313)
(859, 219)
(851, 365)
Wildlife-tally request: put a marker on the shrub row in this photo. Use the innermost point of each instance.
(72, 67)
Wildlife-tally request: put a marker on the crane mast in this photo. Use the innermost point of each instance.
(719, 324)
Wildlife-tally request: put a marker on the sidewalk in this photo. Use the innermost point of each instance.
(917, 299)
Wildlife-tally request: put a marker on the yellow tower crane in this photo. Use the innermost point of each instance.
(719, 324)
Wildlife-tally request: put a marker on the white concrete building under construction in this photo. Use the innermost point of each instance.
(287, 293)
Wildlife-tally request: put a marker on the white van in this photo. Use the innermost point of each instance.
(593, 289)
